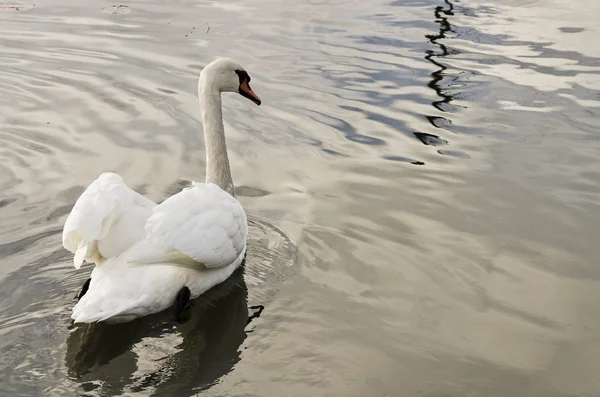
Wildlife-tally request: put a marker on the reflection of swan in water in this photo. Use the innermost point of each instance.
(189, 357)
(155, 353)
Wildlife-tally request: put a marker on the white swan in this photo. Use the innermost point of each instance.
(149, 257)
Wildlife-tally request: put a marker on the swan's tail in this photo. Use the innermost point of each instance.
(107, 219)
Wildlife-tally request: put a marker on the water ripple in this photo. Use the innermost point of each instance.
(435, 161)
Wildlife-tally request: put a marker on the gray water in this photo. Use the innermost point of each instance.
(422, 182)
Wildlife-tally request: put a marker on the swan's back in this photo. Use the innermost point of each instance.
(203, 222)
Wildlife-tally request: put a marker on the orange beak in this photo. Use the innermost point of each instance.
(247, 92)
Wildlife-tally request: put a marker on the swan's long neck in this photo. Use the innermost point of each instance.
(217, 162)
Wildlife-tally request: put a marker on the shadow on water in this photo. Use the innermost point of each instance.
(441, 15)
(444, 104)
(107, 358)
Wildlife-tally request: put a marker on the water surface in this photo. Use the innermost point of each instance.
(422, 182)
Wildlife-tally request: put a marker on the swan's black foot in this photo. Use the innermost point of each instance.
(182, 305)
(256, 314)
(84, 289)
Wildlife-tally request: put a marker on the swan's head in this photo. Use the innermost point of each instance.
(227, 75)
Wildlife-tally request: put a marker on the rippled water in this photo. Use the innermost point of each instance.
(422, 181)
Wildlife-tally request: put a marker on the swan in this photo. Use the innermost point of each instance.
(149, 257)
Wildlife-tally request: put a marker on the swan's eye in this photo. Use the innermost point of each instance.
(243, 76)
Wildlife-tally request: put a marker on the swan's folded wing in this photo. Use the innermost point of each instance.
(106, 219)
(203, 222)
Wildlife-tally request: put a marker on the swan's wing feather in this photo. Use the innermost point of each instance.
(106, 219)
(173, 258)
(202, 222)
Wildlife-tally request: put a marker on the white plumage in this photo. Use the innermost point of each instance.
(146, 253)
(202, 223)
(106, 219)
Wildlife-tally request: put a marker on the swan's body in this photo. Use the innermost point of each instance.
(145, 254)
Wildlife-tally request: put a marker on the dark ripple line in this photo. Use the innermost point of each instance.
(444, 104)
(438, 75)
